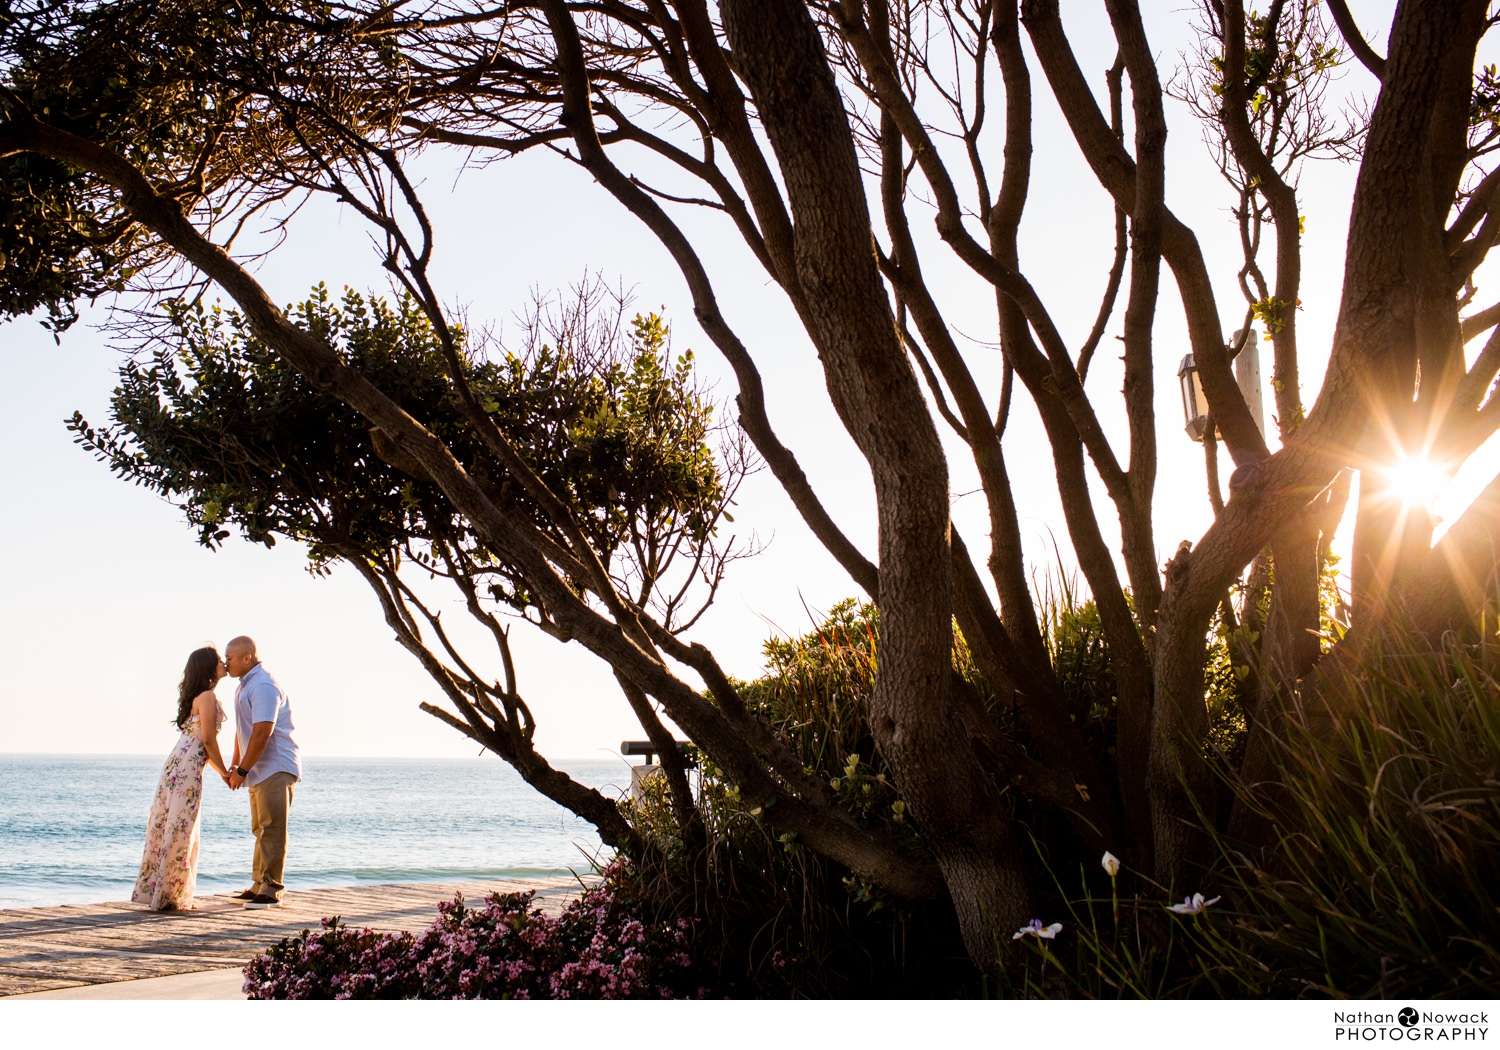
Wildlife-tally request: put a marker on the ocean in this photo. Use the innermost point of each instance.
(72, 827)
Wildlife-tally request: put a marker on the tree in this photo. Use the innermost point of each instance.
(825, 132)
(215, 422)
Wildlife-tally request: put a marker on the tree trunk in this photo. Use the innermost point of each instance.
(778, 51)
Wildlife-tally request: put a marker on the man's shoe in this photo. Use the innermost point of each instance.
(244, 895)
(262, 900)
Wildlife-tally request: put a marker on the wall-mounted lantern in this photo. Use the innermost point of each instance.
(1246, 374)
(1194, 404)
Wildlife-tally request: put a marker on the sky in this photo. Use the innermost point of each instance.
(106, 589)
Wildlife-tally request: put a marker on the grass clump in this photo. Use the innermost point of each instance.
(1380, 876)
(1385, 877)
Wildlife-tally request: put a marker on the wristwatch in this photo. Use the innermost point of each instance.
(241, 772)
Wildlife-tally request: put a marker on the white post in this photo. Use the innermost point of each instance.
(1247, 375)
(639, 775)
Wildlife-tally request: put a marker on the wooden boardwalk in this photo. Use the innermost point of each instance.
(74, 945)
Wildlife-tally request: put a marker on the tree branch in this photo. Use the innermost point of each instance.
(1355, 39)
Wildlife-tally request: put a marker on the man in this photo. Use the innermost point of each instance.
(265, 759)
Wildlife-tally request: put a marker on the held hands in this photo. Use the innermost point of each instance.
(233, 780)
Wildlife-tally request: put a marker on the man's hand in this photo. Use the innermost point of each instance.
(234, 780)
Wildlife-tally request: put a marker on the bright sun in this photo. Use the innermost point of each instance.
(1416, 482)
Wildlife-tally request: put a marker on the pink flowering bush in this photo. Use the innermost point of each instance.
(605, 945)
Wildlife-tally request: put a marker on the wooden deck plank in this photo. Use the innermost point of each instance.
(74, 945)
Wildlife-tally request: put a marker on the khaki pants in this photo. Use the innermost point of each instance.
(269, 802)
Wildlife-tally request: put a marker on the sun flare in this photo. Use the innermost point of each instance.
(1415, 481)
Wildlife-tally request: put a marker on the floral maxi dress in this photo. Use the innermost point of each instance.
(169, 865)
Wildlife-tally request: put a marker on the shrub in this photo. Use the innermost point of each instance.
(771, 917)
(605, 945)
(774, 919)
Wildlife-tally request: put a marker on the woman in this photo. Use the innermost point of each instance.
(169, 867)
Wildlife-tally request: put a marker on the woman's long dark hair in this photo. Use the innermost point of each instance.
(197, 677)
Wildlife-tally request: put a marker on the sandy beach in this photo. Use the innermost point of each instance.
(120, 950)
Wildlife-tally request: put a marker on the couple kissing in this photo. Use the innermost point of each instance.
(265, 762)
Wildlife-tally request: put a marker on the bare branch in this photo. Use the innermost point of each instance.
(1355, 39)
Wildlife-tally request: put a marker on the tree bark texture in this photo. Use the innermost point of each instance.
(778, 51)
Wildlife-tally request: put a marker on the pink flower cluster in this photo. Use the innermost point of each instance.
(603, 946)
